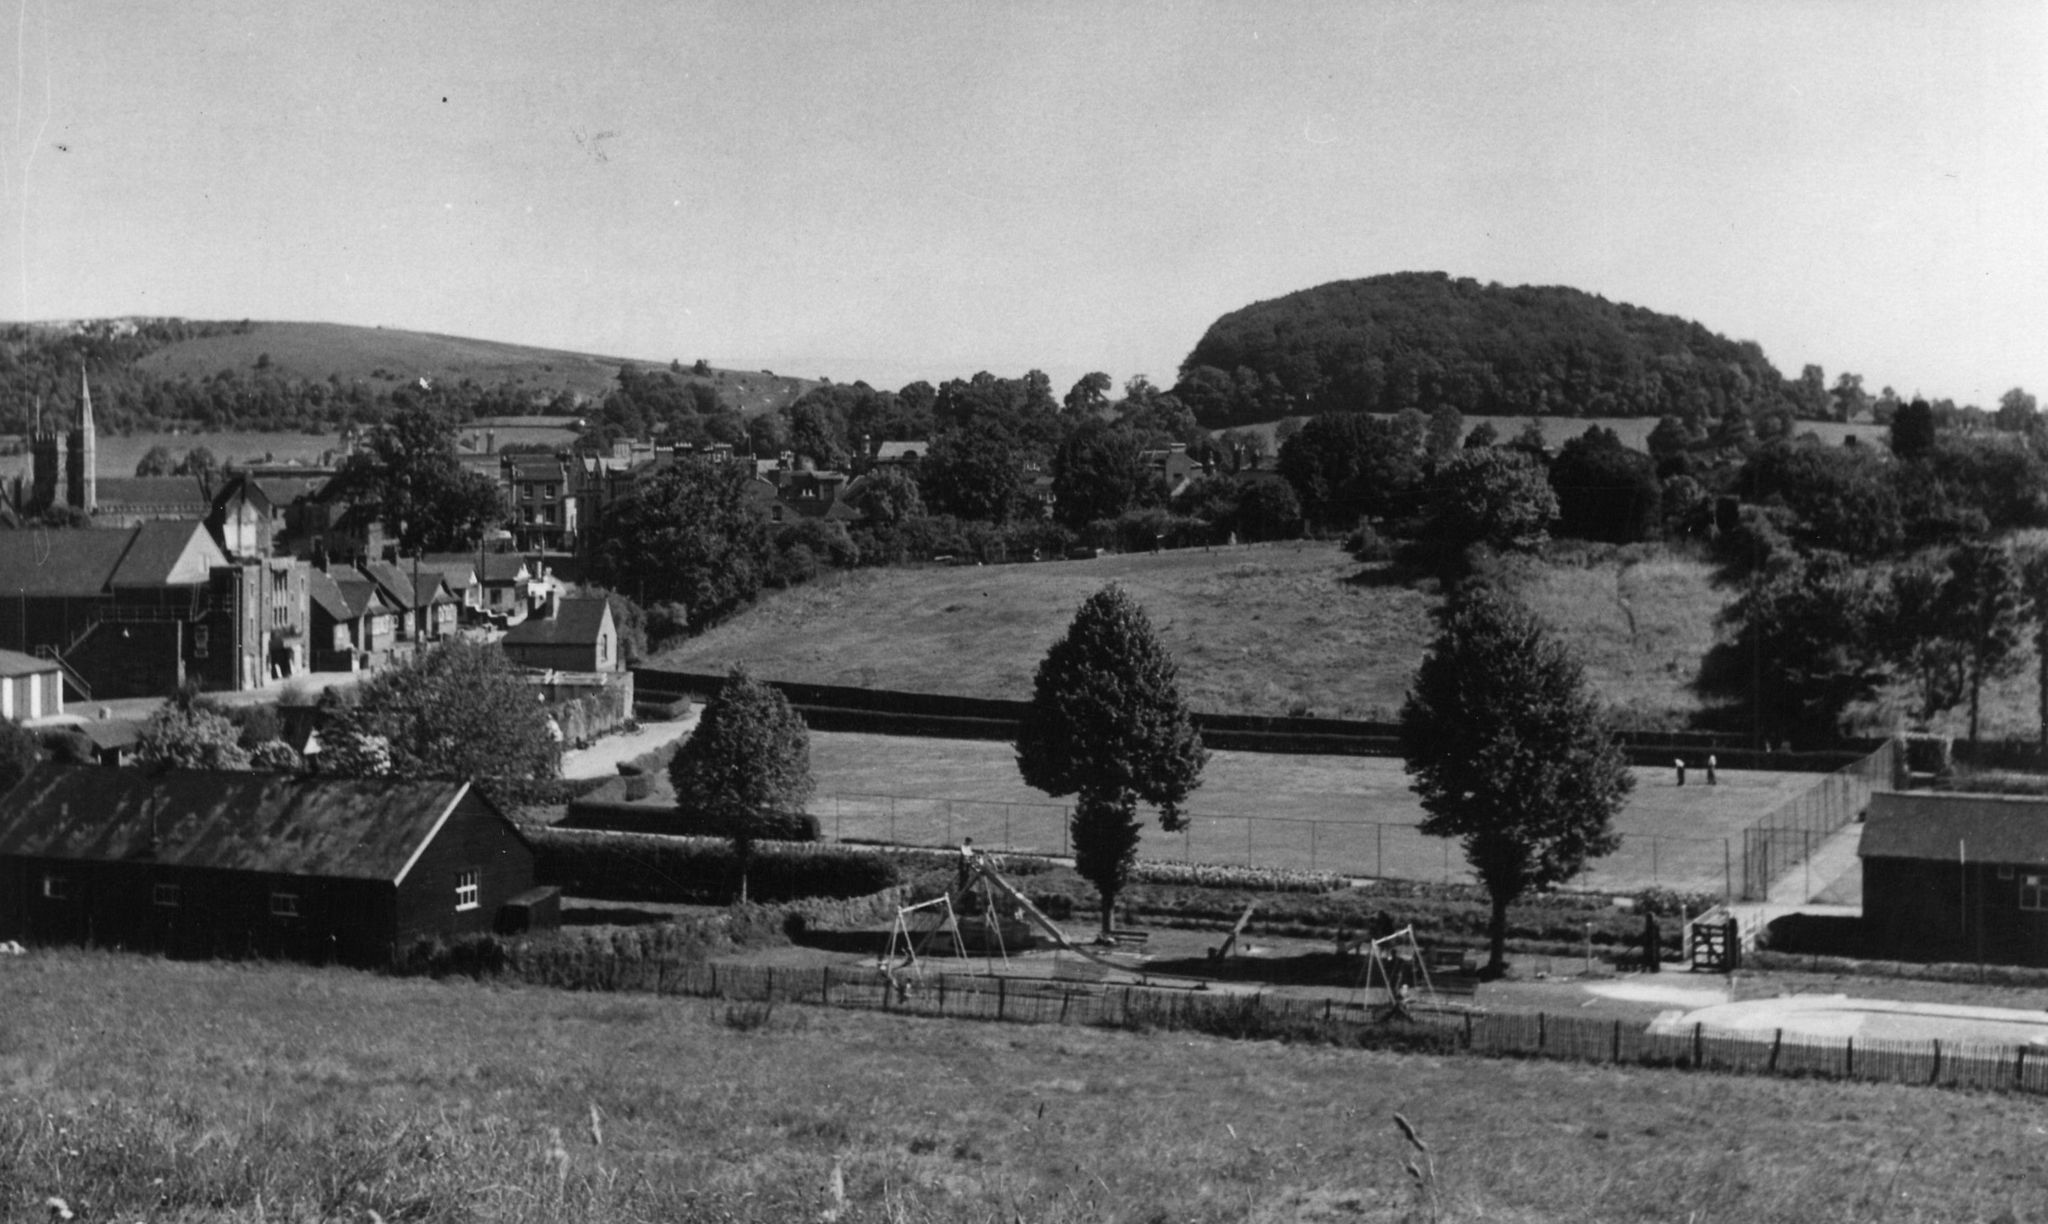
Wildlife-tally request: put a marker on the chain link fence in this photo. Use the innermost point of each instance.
(1776, 846)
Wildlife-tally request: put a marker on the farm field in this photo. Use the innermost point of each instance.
(1330, 813)
(1288, 628)
(149, 1089)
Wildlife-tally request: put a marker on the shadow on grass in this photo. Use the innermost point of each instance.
(865, 943)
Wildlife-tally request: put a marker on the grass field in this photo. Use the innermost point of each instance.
(1330, 813)
(141, 1089)
(1293, 628)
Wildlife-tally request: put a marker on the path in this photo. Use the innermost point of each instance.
(603, 758)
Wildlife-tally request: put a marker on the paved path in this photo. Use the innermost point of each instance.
(602, 759)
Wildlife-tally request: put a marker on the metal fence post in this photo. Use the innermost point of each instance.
(1313, 826)
(892, 820)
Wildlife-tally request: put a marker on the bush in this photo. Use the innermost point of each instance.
(666, 709)
(1367, 544)
(696, 870)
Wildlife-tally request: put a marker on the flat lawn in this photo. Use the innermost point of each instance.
(141, 1089)
(1332, 813)
(1292, 628)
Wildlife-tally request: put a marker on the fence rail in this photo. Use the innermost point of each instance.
(1373, 849)
(1775, 846)
(1506, 1034)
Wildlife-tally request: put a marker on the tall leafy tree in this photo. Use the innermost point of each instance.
(1987, 603)
(972, 475)
(407, 473)
(1913, 430)
(1098, 473)
(459, 710)
(1507, 747)
(156, 461)
(1496, 496)
(2034, 579)
(1344, 465)
(690, 536)
(1108, 725)
(190, 734)
(18, 753)
(1805, 642)
(747, 762)
(1605, 491)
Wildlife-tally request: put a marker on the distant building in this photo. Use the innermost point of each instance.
(217, 863)
(30, 688)
(576, 635)
(72, 457)
(540, 502)
(491, 435)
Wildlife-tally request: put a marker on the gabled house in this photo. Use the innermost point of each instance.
(138, 611)
(218, 863)
(574, 635)
(540, 502)
(458, 575)
(352, 624)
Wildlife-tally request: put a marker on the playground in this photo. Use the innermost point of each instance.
(1349, 814)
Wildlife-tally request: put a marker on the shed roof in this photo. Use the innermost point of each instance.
(1944, 826)
(576, 622)
(341, 828)
(15, 663)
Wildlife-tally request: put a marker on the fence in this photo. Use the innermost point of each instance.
(1510, 1034)
(1375, 849)
(1776, 845)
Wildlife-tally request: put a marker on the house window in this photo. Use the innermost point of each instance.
(57, 888)
(201, 636)
(284, 905)
(2034, 892)
(467, 885)
(551, 493)
(165, 895)
(604, 649)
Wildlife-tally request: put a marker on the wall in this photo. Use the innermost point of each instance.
(473, 837)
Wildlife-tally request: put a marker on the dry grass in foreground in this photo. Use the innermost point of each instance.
(140, 1089)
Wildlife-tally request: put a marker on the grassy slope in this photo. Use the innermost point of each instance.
(1270, 629)
(316, 350)
(139, 1088)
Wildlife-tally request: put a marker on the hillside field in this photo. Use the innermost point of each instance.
(1291, 628)
(146, 1089)
(391, 356)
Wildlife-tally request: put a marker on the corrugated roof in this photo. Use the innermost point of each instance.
(575, 623)
(1939, 825)
(363, 829)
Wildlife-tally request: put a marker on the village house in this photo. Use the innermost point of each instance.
(574, 635)
(224, 863)
(353, 625)
(540, 502)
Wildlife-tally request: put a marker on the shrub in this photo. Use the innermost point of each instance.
(694, 870)
(666, 709)
(1367, 544)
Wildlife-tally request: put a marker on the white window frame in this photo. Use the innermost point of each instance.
(56, 887)
(468, 889)
(164, 895)
(284, 905)
(2034, 892)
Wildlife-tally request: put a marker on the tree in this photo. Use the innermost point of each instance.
(156, 461)
(1507, 747)
(1987, 606)
(407, 473)
(1918, 638)
(460, 710)
(1089, 394)
(1495, 496)
(972, 475)
(200, 462)
(18, 753)
(1446, 432)
(2034, 580)
(749, 760)
(1098, 473)
(1805, 644)
(1913, 430)
(689, 535)
(1605, 491)
(189, 733)
(1345, 465)
(1849, 399)
(1107, 724)
(2017, 411)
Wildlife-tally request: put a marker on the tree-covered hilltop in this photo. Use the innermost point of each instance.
(1424, 340)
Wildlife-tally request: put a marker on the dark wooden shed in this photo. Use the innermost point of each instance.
(1956, 876)
(220, 863)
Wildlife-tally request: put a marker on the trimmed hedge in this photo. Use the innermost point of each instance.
(661, 709)
(700, 870)
(626, 816)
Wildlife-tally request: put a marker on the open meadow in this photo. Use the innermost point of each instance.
(1287, 628)
(1351, 814)
(145, 1089)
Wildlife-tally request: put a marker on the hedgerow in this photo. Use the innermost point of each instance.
(700, 870)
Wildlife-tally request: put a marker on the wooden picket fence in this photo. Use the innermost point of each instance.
(1501, 1035)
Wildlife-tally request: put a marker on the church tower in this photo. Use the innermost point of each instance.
(81, 469)
(45, 462)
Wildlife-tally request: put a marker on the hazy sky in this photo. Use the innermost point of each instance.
(893, 191)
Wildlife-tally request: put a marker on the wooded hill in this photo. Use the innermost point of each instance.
(1424, 340)
(313, 377)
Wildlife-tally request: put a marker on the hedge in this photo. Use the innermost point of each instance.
(700, 870)
(626, 816)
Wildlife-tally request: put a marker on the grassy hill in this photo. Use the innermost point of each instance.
(141, 1088)
(1292, 628)
(315, 351)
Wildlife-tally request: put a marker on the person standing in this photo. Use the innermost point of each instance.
(1680, 763)
(1653, 955)
(1711, 779)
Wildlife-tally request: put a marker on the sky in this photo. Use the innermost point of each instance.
(891, 191)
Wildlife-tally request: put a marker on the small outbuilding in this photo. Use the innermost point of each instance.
(30, 688)
(226, 863)
(1961, 877)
